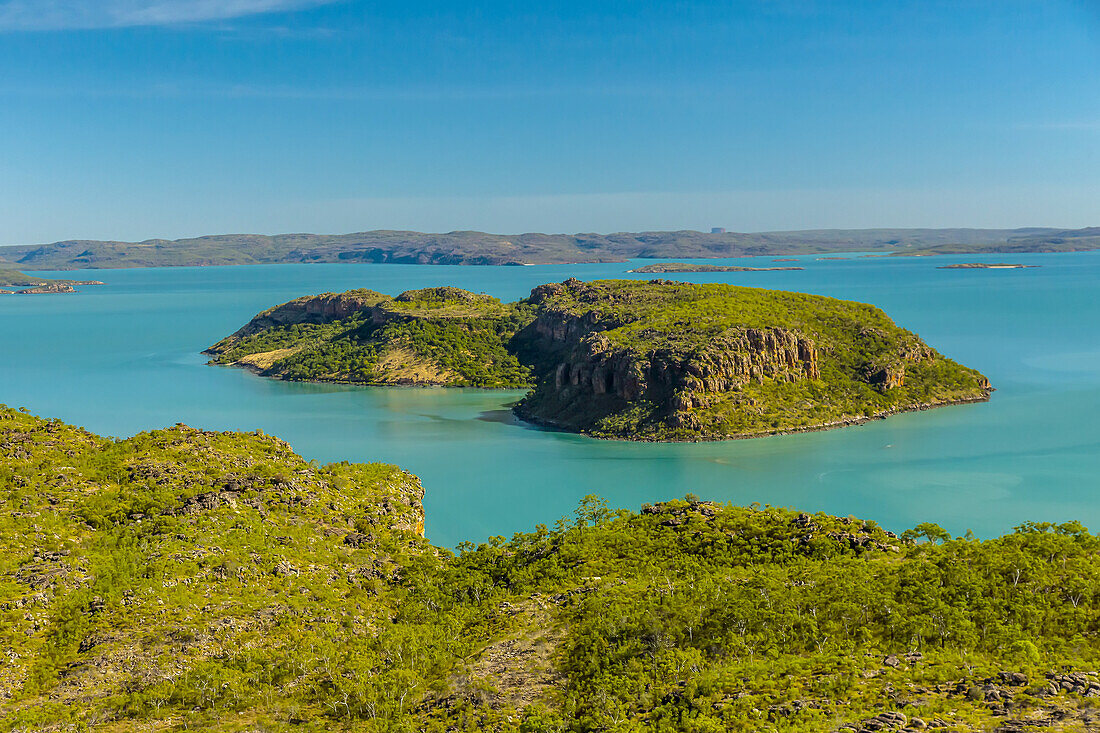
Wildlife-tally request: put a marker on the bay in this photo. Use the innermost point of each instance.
(125, 357)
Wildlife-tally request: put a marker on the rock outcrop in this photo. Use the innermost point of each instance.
(656, 360)
(711, 361)
(48, 289)
(677, 380)
(316, 309)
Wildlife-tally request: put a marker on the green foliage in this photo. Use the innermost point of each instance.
(673, 336)
(189, 580)
(435, 336)
(693, 342)
(15, 279)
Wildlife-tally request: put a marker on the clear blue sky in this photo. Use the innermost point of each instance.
(142, 118)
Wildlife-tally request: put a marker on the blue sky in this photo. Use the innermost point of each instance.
(143, 118)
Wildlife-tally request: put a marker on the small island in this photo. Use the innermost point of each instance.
(668, 267)
(986, 266)
(626, 359)
(30, 285)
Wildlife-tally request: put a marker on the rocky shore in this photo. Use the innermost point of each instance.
(986, 266)
(637, 360)
(18, 283)
(664, 267)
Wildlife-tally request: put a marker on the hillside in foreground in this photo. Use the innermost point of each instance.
(656, 360)
(189, 580)
(481, 248)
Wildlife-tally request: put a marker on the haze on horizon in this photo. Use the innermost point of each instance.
(138, 119)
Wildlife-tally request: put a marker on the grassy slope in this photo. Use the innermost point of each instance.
(294, 599)
(440, 336)
(451, 337)
(852, 339)
(479, 248)
(16, 279)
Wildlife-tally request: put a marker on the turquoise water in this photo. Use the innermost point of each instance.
(125, 357)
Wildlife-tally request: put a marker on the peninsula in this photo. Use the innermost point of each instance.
(625, 359)
(185, 579)
(30, 285)
(699, 267)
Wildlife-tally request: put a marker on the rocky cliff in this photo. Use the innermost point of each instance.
(313, 309)
(673, 360)
(656, 360)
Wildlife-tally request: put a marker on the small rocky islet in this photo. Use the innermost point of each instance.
(626, 359)
(986, 266)
(664, 267)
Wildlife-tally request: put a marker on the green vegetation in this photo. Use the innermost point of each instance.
(441, 336)
(480, 248)
(31, 284)
(16, 279)
(189, 580)
(655, 360)
(677, 361)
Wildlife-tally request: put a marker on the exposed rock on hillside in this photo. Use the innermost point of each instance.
(314, 309)
(657, 360)
(435, 336)
(30, 285)
(664, 360)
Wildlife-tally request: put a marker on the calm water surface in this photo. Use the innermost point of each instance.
(124, 357)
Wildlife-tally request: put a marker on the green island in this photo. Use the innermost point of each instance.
(700, 267)
(186, 580)
(436, 336)
(626, 359)
(482, 248)
(30, 285)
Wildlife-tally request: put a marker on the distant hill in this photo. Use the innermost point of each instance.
(480, 248)
(1026, 240)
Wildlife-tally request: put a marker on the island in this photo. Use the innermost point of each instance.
(664, 267)
(187, 579)
(626, 359)
(985, 266)
(30, 285)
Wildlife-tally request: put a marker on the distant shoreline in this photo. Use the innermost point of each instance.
(986, 266)
(673, 267)
(486, 249)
